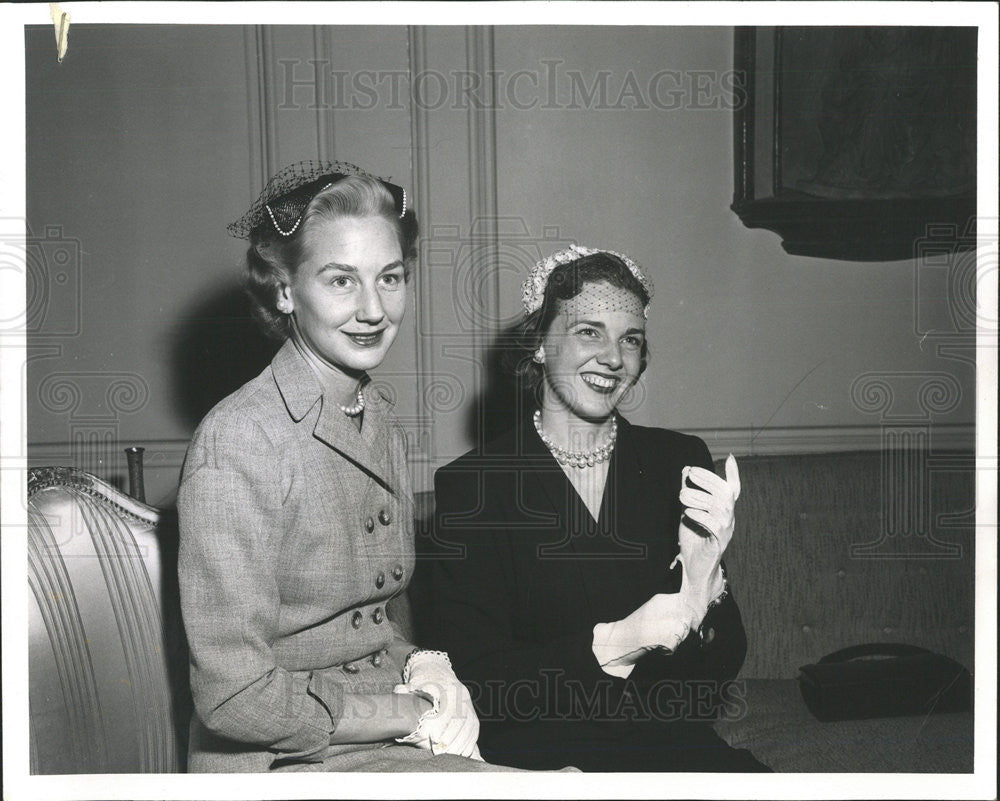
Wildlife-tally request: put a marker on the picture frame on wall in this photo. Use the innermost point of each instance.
(856, 143)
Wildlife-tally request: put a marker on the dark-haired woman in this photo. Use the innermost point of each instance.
(575, 575)
(295, 509)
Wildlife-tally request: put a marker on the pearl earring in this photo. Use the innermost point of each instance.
(539, 356)
(283, 306)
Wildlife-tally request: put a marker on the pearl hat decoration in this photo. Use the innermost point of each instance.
(290, 191)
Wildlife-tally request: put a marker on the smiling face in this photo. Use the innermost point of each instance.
(348, 294)
(593, 350)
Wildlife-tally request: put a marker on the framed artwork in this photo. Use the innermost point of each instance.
(855, 142)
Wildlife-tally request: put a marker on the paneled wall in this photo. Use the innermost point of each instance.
(512, 142)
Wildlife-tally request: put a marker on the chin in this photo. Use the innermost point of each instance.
(365, 362)
(596, 407)
(594, 410)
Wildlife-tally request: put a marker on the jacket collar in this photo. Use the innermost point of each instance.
(550, 489)
(301, 391)
(553, 481)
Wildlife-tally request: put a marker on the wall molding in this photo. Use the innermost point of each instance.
(323, 55)
(162, 464)
(482, 172)
(164, 457)
(746, 441)
(822, 439)
(258, 51)
(420, 181)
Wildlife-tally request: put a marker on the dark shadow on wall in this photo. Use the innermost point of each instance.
(215, 349)
(500, 404)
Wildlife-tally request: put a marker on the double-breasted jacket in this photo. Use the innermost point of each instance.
(296, 530)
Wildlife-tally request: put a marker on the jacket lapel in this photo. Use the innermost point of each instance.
(548, 494)
(301, 391)
(611, 564)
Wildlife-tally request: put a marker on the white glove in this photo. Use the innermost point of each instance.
(711, 505)
(662, 623)
(451, 726)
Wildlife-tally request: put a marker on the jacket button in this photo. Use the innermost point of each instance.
(351, 668)
(380, 580)
(397, 572)
(369, 525)
(709, 635)
(356, 620)
(377, 615)
(376, 659)
(383, 517)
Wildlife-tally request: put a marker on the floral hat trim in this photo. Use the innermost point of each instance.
(533, 287)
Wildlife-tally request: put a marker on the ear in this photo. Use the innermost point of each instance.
(285, 303)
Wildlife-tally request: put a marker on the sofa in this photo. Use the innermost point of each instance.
(840, 549)
(830, 550)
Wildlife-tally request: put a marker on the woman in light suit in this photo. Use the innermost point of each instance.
(296, 513)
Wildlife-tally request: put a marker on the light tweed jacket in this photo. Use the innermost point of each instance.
(296, 530)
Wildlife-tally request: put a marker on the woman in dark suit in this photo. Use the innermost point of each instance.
(296, 513)
(575, 572)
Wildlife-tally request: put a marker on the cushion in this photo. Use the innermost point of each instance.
(779, 730)
(832, 550)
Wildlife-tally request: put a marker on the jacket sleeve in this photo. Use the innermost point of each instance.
(717, 653)
(469, 597)
(231, 526)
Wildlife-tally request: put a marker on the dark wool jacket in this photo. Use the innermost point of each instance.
(517, 573)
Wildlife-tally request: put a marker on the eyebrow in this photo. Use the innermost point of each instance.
(599, 324)
(591, 323)
(350, 268)
(347, 268)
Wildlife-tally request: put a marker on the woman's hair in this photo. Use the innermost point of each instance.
(272, 259)
(565, 282)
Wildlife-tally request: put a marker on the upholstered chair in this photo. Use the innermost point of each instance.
(107, 657)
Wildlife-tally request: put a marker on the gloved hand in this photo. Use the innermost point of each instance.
(451, 726)
(710, 504)
(663, 623)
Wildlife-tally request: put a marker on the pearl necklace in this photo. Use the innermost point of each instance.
(357, 408)
(577, 458)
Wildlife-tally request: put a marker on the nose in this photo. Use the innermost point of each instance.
(370, 308)
(611, 356)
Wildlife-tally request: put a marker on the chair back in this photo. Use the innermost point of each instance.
(108, 688)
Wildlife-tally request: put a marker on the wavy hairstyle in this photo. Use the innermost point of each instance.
(272, 259)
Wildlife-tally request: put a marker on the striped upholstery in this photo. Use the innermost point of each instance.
(103, 667)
